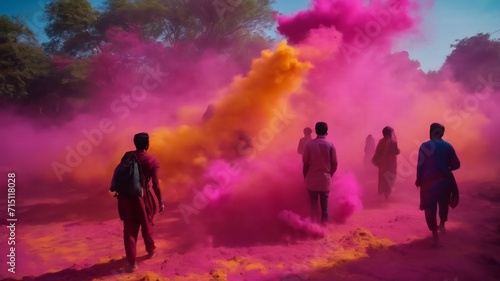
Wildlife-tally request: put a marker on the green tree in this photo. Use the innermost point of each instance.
(168, 21)
(472, 59)
(71, 28)
(22, 60)
(216, 24)
(224, 23)
(129, 15)
(76, 29)
(64, 91)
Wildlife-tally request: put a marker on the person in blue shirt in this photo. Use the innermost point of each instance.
(436, 161)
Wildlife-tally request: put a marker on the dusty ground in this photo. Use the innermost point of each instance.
(79, 240)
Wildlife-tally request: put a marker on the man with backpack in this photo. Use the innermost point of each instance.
(136, 203)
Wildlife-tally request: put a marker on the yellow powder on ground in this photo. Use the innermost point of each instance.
(51, 246)
(358, 244)
(240, 263)
(366, 239)
(218, 275)
(233, 264)
(256, 266)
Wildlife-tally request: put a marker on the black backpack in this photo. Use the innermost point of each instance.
(127, 178)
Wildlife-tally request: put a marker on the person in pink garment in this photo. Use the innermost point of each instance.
(319, 164)
(303, 141)
(385, 158)
(138, 212)
(369, 152)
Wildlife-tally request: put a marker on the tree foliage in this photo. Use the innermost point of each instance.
(22, 60)
(76, 29)
(30, 79)
(224, 24)
(472, 58)
(54, 79)
(71, 28)
(126, 14)
(63, 91)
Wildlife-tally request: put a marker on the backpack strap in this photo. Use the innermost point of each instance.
(141, 173)
(148, 196)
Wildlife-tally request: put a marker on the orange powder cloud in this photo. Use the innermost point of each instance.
(248, 105)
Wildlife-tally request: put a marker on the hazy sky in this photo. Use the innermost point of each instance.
(444, 22)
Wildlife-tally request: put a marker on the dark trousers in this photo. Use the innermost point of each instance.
(323, 202)
(133, 214)
(433, 195)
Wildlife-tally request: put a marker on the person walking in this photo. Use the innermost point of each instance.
(138, 210)
(385, 158)
(436, 161)
(319, 164)
(304, 140)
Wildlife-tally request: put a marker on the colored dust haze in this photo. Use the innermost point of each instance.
(235, 175)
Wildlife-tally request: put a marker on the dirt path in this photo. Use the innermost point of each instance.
(385, 241)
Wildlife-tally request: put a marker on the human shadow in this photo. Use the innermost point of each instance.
(417, 260)
(87, 208)
(213, 227)
(239, 223)
(469, 251)
(115, 267)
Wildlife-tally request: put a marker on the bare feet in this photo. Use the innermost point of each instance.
(435, 238)
(152, 254)
(132, 268)
(441, 228)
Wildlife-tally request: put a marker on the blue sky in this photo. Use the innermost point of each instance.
(446, 21)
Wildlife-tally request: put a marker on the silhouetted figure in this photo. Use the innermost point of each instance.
(436, 161)
(369, 152)
(386, 161)
(138, 211)
(319, 164)
(244, 144)
(209, 112)
(303, 141)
